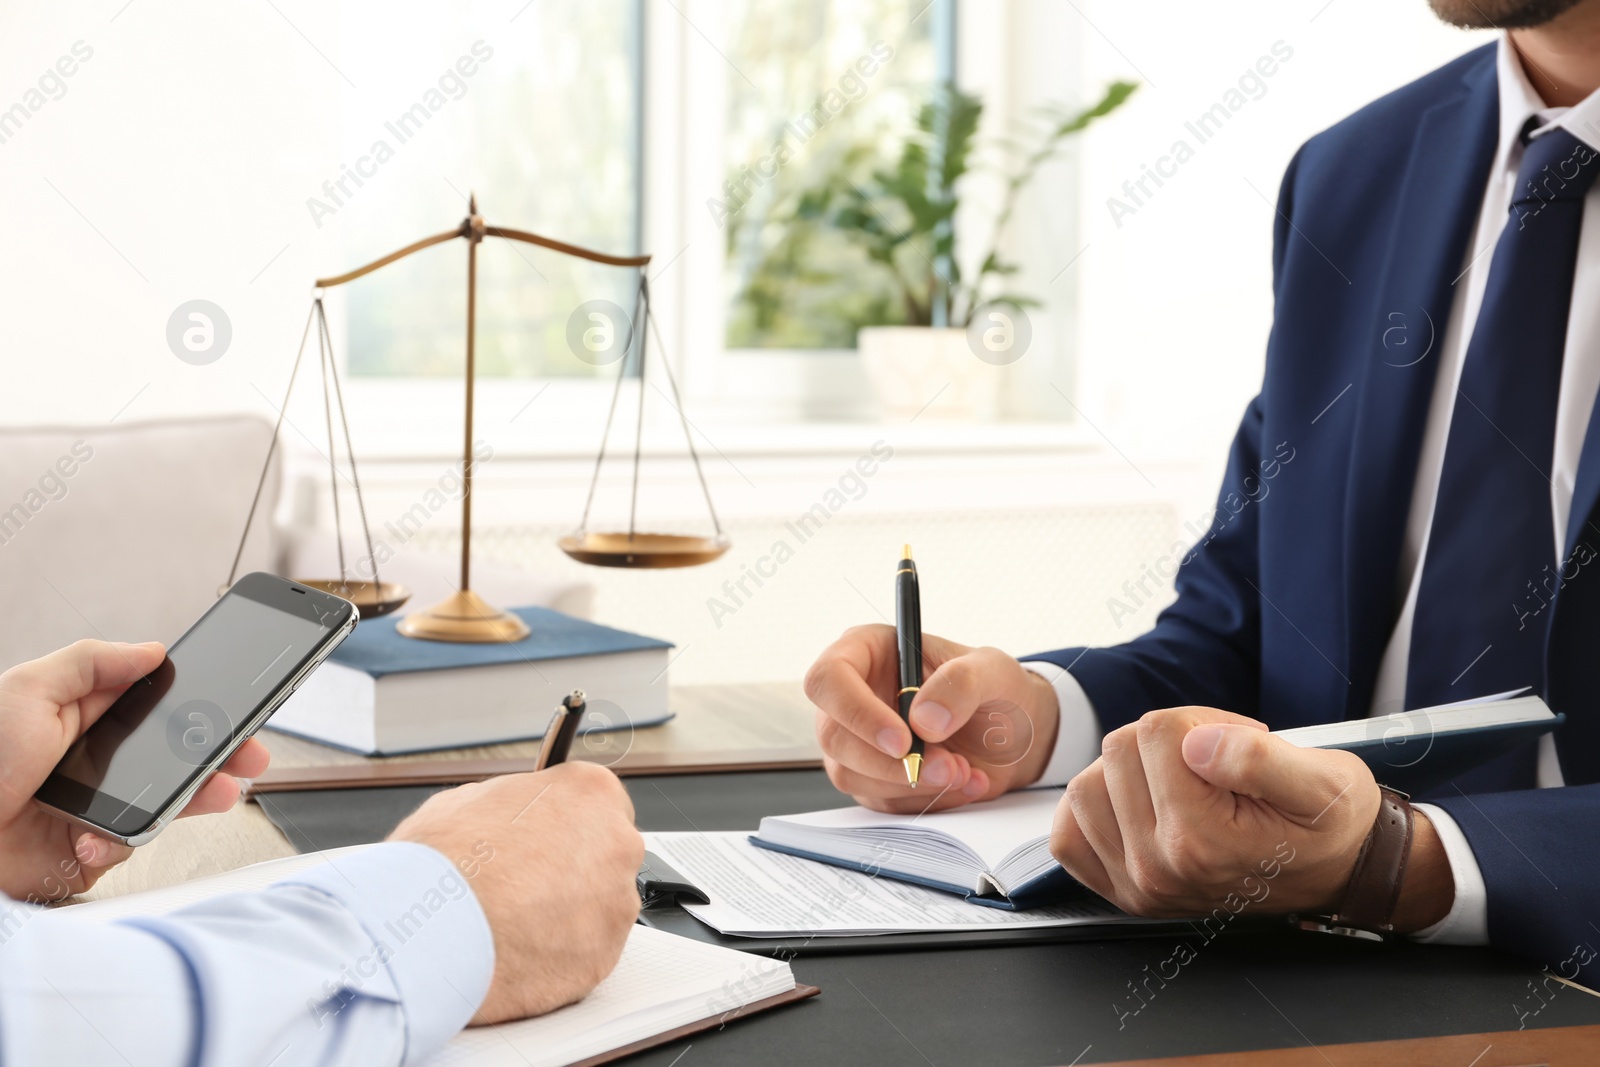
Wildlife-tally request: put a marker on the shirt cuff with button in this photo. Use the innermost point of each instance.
(428, 928)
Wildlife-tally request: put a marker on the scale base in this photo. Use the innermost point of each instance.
(464, 617)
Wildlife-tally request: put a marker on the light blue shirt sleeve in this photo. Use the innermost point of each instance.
(378, 957)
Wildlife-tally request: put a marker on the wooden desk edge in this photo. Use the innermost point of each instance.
(457, 771)
(1556, 1046)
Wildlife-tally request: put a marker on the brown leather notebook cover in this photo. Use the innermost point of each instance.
(1558, 1046)
(710, 1022)
(377, 772)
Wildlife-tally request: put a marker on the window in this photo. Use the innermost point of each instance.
(813, 92)
(540, 117)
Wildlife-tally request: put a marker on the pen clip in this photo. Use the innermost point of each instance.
(551, 733)
(563, 727)
(659, 883)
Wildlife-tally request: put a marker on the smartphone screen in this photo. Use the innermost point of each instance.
(214, 684)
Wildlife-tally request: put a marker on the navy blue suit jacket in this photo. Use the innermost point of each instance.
(1284, 608)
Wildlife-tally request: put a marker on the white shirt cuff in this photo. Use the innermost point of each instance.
(1468, 920)
(430, 933)
(1077, 726)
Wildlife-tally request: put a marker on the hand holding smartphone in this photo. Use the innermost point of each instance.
(137, 767)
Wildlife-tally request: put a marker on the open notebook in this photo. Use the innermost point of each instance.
(998, 853)
(664, 986)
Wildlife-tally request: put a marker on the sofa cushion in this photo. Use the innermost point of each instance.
(126, 532)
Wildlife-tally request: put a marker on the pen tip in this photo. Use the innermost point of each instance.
(907, 552)
(913, 765)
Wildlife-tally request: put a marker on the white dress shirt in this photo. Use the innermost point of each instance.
(378, 957)
(1078, 737)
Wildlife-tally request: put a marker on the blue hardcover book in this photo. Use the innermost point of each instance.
(384, 694)
(998, 854)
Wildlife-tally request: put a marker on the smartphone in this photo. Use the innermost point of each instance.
(135, 769)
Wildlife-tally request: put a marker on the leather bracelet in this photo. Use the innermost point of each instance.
(1373, 891)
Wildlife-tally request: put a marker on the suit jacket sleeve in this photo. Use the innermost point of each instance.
(1542, 893)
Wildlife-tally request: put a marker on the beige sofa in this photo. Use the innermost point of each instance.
(127, 532)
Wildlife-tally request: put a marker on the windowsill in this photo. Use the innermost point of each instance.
(403, 421)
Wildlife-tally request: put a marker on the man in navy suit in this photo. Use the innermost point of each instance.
(1408, 518)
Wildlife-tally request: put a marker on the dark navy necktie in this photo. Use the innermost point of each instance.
(1482, 610)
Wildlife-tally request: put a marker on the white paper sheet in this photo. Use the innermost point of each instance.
(758, 893)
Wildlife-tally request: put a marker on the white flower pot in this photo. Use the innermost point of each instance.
(926, 373)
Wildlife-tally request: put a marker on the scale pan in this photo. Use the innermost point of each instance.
(643, 550)
(373, 598)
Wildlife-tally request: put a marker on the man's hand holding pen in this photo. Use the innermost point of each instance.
(989, 724)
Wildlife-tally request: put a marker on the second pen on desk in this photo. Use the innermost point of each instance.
(908, 632)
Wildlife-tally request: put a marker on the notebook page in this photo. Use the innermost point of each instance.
(759, 893)
(992, 830)
(663, 981)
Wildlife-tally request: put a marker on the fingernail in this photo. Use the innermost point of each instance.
(977, 785)
(889, 739)
(937, 773)
(85, 850)
(1200, 745)
(933, 718)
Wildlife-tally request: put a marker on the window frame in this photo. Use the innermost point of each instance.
(682, 109)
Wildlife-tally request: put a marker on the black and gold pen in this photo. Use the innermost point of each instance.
(908, 631)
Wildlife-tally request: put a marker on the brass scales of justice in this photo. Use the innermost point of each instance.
(464, 616)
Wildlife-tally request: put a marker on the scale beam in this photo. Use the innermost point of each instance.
(465, 616)
(465, 230)
(359, 272)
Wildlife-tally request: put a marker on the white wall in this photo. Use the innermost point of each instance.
(175, 166)
(178, 162)
(1176, 302)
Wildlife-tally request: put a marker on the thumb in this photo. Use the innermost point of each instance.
(85, 667)
(1253, 763)
(952, 694)
(97, 853)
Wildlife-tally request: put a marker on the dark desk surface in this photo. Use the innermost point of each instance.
(1040, 1004)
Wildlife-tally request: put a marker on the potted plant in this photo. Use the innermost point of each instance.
(912, 315)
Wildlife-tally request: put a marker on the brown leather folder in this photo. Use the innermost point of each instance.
(1558, 1046)
(710, 1022)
